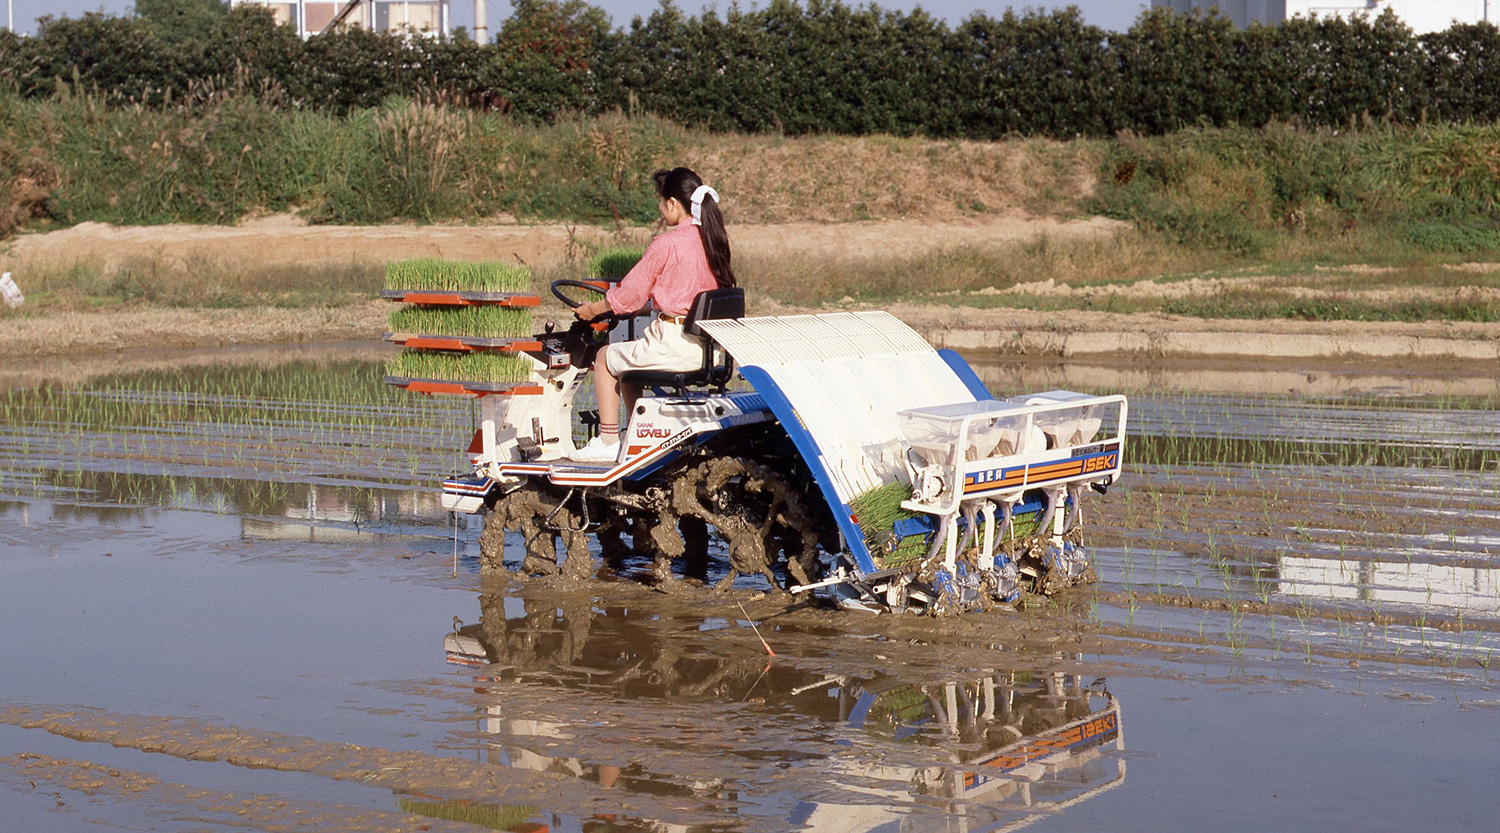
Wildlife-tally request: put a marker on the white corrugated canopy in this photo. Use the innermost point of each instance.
(847, 375)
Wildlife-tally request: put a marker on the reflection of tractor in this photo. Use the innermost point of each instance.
(848, 456)
(1001, 746)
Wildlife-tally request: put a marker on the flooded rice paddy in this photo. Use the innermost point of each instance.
(230, 600)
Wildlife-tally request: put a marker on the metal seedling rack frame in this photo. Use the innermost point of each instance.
(461, 345)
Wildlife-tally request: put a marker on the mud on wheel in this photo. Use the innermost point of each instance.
(1052, 568)
(542, 518)
(760, 513)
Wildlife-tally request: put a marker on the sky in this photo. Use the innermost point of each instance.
(1114, 15)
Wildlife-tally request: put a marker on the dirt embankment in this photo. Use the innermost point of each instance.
(1000, 331)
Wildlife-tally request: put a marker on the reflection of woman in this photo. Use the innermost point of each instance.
(690, 258)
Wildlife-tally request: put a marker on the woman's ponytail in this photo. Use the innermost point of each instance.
(715, 241)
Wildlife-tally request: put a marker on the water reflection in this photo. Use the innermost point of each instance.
(329, 514)
(1439, 582)
(871, 751)
(267, 511)
(1470, 589)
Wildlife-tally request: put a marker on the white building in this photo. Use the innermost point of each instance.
(1422, 16)
(309, 17)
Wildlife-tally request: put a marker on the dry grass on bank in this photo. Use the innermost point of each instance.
(831, 179)
(1083, 266)
(198, 281)
(885, 276)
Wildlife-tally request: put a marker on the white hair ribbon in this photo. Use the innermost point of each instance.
(697, 201)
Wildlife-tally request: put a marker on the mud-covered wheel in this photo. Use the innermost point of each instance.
(756, 512)
(534, 512)
(492, 543)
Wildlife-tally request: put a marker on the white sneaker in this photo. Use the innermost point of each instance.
(597, 451)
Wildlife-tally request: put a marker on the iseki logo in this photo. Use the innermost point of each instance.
(1101, 463)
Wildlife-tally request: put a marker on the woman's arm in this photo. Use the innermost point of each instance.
(588, 312)
(634, 290)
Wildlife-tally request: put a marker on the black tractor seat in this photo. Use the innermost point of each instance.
(718, 367)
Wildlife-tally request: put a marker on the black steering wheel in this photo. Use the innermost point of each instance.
(557, 292)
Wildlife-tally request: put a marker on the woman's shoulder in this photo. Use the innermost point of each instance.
(684, 235)
(672, 240)
(672, 236)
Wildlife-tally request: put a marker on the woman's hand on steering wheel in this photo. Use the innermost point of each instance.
(592, 311)
(601, 312)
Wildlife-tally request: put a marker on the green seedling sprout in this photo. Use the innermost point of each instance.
(432, 274)
(474, 367)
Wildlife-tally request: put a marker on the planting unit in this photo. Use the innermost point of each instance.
(838, 454)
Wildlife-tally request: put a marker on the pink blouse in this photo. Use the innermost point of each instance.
(671, 273)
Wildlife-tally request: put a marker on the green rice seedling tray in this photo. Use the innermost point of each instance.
(488, 321)
(877, 512)
(1025, 524)
(460, 374)
(437, 275)
(904, 552)
(446, 298)
(892, 553)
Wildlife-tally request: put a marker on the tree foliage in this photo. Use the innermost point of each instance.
(177, 20)
(816, 66)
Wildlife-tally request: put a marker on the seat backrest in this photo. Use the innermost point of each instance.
(728, 302)
(718, 366)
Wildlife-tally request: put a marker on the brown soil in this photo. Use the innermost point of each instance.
(1070, 334)
(284, 239)
(248, 810)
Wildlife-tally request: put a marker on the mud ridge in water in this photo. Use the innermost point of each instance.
(409, 773)
(245, 810)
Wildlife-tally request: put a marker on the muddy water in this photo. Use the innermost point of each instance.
(230, 601)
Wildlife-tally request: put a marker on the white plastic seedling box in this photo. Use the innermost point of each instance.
(1001, 448)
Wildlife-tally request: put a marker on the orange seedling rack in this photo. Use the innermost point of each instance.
(440, 298)
(462, 344)
(450, 387)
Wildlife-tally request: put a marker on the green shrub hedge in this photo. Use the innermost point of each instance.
(818, 67)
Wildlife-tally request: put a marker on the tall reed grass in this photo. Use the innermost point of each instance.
(217, 159)
(612, 264)
(198, 281)
(1241, 191)
(1235, 190)
(1201, 200)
